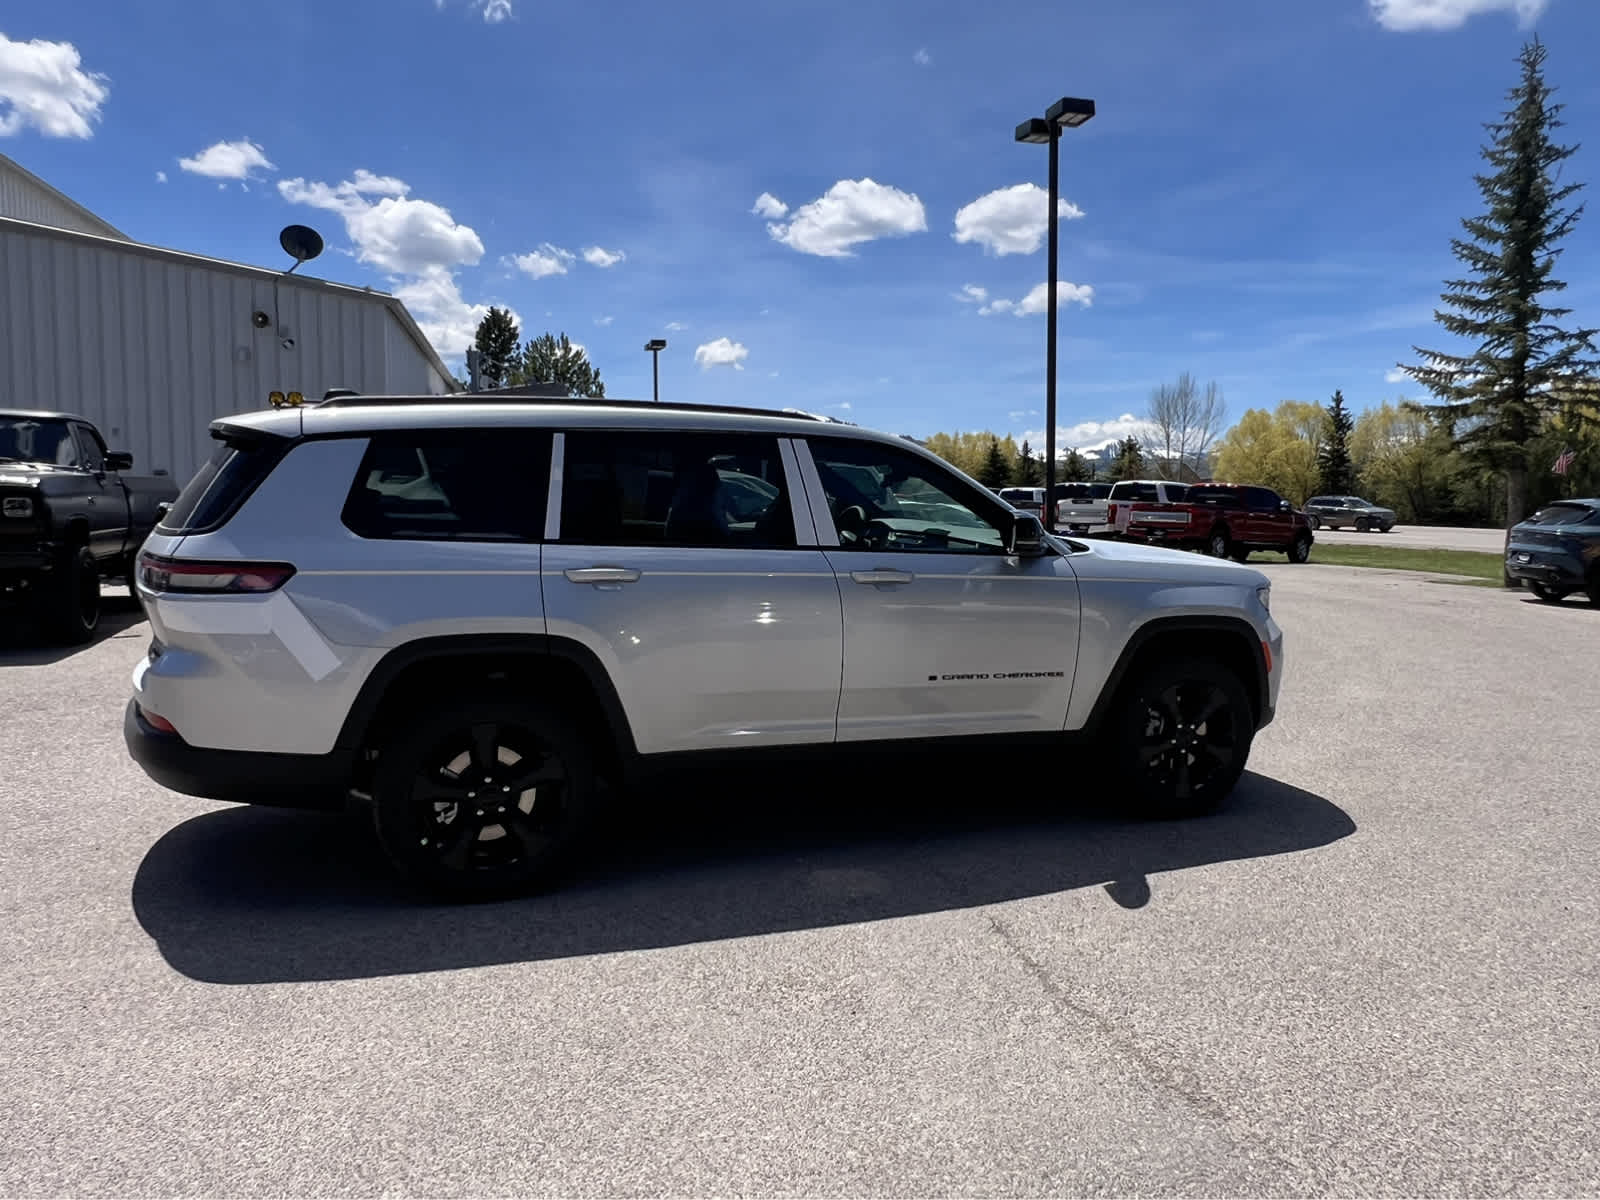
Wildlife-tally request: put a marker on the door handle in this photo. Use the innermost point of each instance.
(602, 575)
(882, 575)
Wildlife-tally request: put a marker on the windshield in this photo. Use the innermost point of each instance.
(35, 439)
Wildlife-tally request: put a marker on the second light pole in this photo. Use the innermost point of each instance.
(655, 346)
(1066, 113)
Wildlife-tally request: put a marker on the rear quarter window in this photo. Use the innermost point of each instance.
(223, 482)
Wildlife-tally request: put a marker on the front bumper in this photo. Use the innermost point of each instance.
(316, 781)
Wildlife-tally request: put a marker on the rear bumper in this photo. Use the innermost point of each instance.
(1545, 566)
(316, 781)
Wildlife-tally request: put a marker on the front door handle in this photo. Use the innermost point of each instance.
(882, 575)
(602, 575)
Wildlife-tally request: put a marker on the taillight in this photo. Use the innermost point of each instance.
(159, 724)
(211, 577)
(1111, 512)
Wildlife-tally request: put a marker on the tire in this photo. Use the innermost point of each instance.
(1218, 543)
(1316, 521)
(1593, 589)
(1363, 525)
(1550, 595)
(1181, 731)
(70, 602)
(435, 771)
(1300, 549)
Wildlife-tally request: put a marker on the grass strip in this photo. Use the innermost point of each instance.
(1474, 564)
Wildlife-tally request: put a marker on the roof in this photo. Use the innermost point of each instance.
(30, 414)
(123, 245)
(369, 414)
(33, 180)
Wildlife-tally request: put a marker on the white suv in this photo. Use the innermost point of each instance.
(462, 614)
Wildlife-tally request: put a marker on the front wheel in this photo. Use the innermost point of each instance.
(1300, 549)
(484, 798)
(1182, 731)
(70, 601)
(1550, 595)
(1363, 525)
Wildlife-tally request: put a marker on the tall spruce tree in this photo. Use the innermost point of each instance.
(1495, 399)
(1030, 471)
(496, 342)
(1129, 462)
(548, 359)
(996, 470)
(1333, 459)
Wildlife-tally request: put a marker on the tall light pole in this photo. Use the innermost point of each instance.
(655, 346)
(1066, 113)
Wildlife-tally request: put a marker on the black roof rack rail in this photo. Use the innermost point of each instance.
(344, 398)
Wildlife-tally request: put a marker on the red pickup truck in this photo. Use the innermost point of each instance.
(1225, 520)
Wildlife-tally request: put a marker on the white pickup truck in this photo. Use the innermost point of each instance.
(1129, 492)
(1081, 507)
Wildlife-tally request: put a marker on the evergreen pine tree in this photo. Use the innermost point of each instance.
(1333, 460)
(1129, 462)
(1030, 471)
(496, 341)
(546, 359)
(996, 471)
(1494, 399)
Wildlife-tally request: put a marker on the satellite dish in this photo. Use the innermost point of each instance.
(301, 243)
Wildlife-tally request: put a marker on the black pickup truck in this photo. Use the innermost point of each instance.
(68, 516)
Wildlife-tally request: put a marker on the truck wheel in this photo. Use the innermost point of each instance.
(69, 603)
(483, 799)
(1217, 543)
(1299, 549)
(1182, 730)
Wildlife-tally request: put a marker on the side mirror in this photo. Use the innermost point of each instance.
(1025, 536)
(162, 509)
(1285, 506)
(119, 460)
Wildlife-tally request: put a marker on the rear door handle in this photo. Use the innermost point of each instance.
(602, 575)
(882, 575)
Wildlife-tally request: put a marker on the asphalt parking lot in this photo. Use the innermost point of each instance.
(1375, 972)
(1421, 537)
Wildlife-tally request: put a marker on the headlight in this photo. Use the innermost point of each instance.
(1264, 594)
(17, 506)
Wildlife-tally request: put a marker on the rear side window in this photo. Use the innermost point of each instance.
(220, 486)
(473, 485)
(677, 489)
(1136, 492)
(1215, 497)
(1176, 492)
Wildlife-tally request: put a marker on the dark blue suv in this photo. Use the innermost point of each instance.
(1557, 550)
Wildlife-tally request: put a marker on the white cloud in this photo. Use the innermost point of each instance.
(604, 320)
(448, 321)
(721, 353)
(852, 211)
(43, 85)
(1396, 375)
(1092, 435)
(547, 260)
(596, 256)
(1038, 300)
(228, 160)
(1020, 413)
(1011, 220)
(493, 11)
(392, 232)
(161, 176)
(1411, 16)
(769, 206)
(922, 58)
(971, 293)
(676, 327)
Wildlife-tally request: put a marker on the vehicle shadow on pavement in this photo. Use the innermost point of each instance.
(249, 895)
(22, 646)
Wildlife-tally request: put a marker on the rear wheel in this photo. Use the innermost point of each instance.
(1300, 549)
(1218, 543)
(1182, 731)
(1550, 595)
(484, 798)
(69, 603)
(1594, 586)
(1316, 521)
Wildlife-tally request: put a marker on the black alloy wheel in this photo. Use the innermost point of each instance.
(1186, 732)
(483, 800)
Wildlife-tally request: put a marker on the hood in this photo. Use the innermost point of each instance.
(10, 466)
(1157, 562)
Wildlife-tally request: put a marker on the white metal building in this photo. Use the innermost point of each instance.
(153, 344)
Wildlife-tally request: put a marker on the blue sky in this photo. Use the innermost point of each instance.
(1265, 197)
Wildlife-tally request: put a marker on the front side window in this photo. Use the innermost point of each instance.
(478, 485)
(675, 489)
(884, 499)
(92, 449)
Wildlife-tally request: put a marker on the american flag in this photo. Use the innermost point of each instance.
(1564, 460)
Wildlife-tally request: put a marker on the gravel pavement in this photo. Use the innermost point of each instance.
(1374, 973)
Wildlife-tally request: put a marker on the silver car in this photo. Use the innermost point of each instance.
(1337, 512)
(462, 615)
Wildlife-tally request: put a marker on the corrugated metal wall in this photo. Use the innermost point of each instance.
(152, 350)
(22, 199)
